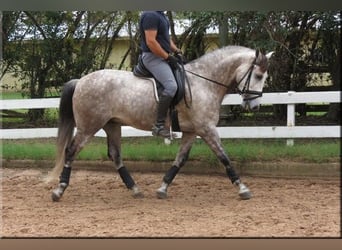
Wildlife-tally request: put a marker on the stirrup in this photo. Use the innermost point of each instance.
(160, 131)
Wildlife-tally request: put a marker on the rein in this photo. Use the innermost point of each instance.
(208, 79)
(245, 89)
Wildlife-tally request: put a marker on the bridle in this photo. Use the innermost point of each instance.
(251, 94)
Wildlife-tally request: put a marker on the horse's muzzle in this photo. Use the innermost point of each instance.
(251, 105)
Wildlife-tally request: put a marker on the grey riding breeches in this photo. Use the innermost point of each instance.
(161, 70)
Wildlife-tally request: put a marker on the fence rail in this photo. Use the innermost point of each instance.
(289, 131)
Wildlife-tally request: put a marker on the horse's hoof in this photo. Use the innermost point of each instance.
(55, 195)
(245, 195)
(161, 194)
(138, 195)
(58, 192)
(136, 192)
(244, 192)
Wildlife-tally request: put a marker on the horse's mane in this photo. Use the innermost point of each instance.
(222, 52)
(230, 51)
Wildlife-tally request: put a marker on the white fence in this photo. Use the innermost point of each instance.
(289, 131)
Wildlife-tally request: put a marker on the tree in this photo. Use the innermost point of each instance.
(10, 31)
(192, 39)
(58, 46)
(46, 49)
(331, 45)
(305, 43)
(133, 31)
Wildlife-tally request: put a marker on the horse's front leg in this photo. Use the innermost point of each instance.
(182, 156)
(211, 137)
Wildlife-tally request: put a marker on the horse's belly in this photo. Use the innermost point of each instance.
(140, 119)
(134, 110)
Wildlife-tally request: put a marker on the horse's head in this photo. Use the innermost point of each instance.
(251, 78)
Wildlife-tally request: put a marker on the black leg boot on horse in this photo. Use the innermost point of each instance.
(158, 128)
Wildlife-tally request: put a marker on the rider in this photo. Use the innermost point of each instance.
(157, 47)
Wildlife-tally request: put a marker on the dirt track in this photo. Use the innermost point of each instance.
(98, 205)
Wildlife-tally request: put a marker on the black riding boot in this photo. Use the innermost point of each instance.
(158, 128)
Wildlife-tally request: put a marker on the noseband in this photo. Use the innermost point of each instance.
(251, 94)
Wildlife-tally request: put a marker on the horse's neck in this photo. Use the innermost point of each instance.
(218, 71)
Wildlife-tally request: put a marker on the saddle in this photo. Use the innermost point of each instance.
(140, 70)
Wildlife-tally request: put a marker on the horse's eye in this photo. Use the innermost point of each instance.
(258, 77)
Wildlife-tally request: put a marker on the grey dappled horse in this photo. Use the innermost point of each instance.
(109, 99)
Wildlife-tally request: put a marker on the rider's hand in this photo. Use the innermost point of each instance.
(173, 61)
(179, 55)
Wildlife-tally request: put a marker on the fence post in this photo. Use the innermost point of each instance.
(291, 114)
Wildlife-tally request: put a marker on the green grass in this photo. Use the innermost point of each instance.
(7, 95)
(31, 150)
(11, 95)
(154, 149)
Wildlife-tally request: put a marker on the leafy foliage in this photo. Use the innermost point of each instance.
(46, 49)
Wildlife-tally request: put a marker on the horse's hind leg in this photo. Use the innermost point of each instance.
(113, 131)
(182, 156)
(211, 137)
(71, 152)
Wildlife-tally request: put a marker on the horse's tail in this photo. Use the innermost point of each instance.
(66, 126)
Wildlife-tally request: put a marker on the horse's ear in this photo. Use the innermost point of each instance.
(269, 54)
(257, 52)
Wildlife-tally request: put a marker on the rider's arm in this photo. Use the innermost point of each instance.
(174, 48)
(154, 46)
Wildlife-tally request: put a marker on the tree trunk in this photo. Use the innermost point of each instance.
(223, 30)
(335, 108)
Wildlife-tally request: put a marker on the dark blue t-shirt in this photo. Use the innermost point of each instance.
(155, 20)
